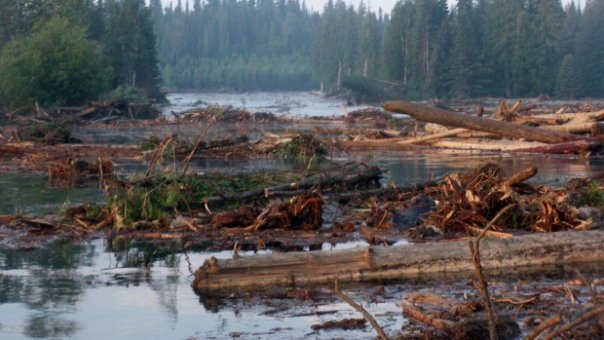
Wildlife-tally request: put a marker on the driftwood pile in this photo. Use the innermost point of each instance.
(226, 114)
(95, 113)
(560, 132)
(469, 201)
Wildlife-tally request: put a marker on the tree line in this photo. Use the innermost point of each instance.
(66, 52)
(512, 48)
(229, 44)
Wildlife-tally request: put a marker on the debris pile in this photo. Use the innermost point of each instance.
(225, 114)
(557, 132)
(95, 113)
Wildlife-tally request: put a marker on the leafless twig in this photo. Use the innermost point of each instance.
(366, 314)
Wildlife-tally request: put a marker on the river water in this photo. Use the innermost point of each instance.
(120, 289)
(300, 104)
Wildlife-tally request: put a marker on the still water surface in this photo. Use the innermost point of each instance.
(138, 291)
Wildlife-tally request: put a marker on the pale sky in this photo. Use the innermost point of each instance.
(387, 5)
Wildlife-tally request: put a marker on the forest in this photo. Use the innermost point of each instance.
(512, 48)
(476, 48)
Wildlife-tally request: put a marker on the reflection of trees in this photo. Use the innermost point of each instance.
(145, 256)
(49, 289)
(34, 196)
(45, 326)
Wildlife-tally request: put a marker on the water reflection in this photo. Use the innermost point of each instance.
(411, 168)
(33, 195)
(45, 281)
(139, 290)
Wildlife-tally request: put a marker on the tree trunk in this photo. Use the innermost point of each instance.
(517, 254)
(447, 118)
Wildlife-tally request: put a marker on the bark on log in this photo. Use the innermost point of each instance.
(512, 255)
(487, 145)
(574, 128)
(377, 145)
(447, 118)
(16, 150)
(577, 147)
(86, 112)
(434, 136)
(566, 116)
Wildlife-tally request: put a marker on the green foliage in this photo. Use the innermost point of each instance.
(372, 90)
(567, 82)
(590, 195)
(150, 143)
(589, 49)
(161, 196)
(130, 44)
(47, 132)
(301, 148)
(129, 94)
(54, 65)
(347, 43)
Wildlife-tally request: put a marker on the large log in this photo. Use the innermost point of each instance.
(517, 254)
(577, 147)
(345, 179)
(447, 118)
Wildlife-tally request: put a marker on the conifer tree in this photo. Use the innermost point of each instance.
(590, 49)
(570, 28)
(396, 46)
(461, 66)
(567, 81)
(131, 45)
(428, 45)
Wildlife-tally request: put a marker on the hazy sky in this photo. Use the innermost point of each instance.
(387, 5)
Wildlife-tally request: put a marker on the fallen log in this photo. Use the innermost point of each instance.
(86, 112)
(344, 180)
(389, 144)
(447, 118)
(487, 145)
(434, 136)
(596, 115)
(16, 150)
(512, 255)
(576, 147)
(574, 128)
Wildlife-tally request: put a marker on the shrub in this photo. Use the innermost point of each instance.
(54, 65)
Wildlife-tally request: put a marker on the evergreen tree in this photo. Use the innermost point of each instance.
(545, 20)
(428, 44)
(590, 49)
(461, 69)
(130, 44)
(396, 47)
(9, 21)
(567, 81)
(570, 28)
